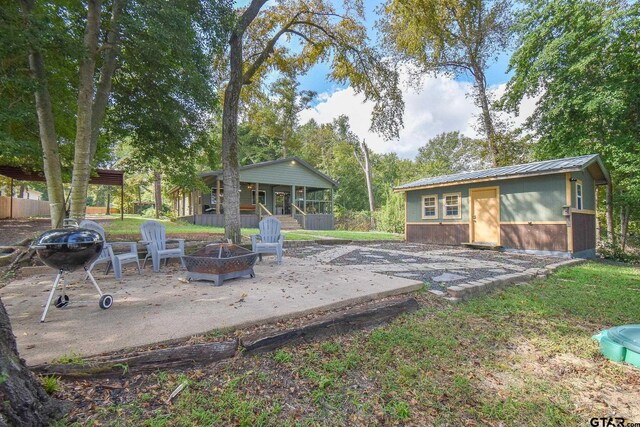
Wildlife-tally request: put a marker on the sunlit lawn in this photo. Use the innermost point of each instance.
(523, 356)
(131, 226)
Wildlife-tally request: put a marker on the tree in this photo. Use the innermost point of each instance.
(362, 155)
(457, 37)
(323, 35)
(564, 48)
(24, 401)
(83, 46)
(448, 153)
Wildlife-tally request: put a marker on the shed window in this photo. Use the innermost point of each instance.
(579, 195)
(452, 205)
(429, 207)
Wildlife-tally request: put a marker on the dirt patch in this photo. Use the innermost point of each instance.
(597, 386)
(13, 231)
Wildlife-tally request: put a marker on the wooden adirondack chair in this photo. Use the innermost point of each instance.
(154, 237)
(270, 240)
(108, 256)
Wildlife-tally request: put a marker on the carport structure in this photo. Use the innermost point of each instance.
(99, 176)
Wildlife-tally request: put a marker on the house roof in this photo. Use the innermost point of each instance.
(570, 164)
(273, 162)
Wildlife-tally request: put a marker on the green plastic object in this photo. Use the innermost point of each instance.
(627, 335)
(621, 344)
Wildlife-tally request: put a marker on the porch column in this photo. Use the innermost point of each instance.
(184, 204)
(11, 200)
(291, 200)
(257, 190)
(331, 200)
(218, 195)
(304, 199)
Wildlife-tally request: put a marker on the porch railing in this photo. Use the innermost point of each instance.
(263, 208)
(304, 215)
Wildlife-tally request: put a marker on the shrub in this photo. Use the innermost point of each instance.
(352, 220)
(391, 217)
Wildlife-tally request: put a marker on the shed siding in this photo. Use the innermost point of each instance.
(584, 231)
(285, 173)
(540, 237)
(538, 198)
(443, 234)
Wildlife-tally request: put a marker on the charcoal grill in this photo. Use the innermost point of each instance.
(69, 249)
(218, 262)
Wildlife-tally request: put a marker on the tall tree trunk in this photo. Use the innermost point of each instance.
(598, 228)
(624, 226)
(21, 191)
(108, 211)
(103, 89)
(82, 153)
(230, 164)
(237, 78)
(365, 164)
(611, 237)
(157, 190)
(46, 125)
(482, 101)
(24, 402)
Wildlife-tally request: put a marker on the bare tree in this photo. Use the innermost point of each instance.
(361, 152)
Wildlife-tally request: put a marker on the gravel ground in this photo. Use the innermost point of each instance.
(456, 259)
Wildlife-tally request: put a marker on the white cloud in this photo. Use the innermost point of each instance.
(440, 105)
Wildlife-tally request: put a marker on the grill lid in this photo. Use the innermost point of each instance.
(68, 248)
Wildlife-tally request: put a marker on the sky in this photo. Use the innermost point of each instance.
(440, 104)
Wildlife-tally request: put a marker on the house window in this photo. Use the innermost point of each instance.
(452, 205)
(262, 197)
(429, 207)
(579, 195)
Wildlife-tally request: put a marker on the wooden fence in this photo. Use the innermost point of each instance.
(23, 208)
(101, 210)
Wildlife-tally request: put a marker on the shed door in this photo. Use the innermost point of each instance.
(485, 216)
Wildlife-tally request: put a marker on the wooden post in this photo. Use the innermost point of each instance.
(11, 201)
(292, 199)
(331, 200)
(257, 190)
(218, 204)
(184, 204)
(304, 199)
(122, 199)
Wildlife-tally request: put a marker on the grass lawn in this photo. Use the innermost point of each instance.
(130, 226)
(523, 356)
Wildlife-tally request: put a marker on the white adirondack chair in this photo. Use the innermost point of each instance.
(154, 237)
(270, 240)
(108, 256)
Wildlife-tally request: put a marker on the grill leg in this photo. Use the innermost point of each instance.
(53, 291)
(94, 282)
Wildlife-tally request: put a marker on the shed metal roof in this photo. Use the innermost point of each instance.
(570, 164)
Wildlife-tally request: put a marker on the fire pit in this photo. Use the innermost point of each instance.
(68, 249)
(219, 262)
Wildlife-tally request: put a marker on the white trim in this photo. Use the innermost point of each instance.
(444, 206)
(435, 210)
(579, 206)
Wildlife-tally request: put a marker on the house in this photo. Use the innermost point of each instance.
(291, 189)
(546, 207)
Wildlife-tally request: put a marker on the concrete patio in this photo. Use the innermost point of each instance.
(153, 308)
